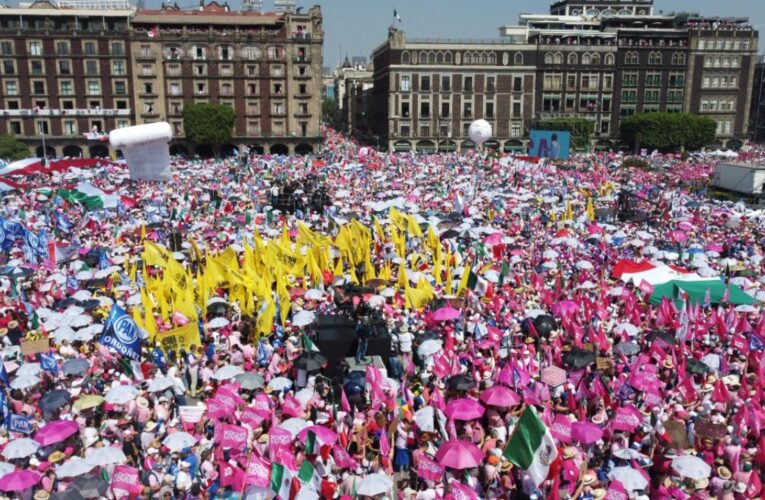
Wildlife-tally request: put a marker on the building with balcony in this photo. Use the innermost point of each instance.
(353, 83)
(598, 59)
(75, 74)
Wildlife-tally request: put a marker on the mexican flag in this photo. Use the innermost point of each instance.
(309, 477)
(88, 196)
(531, 446)
(308, 345)
(281, 480)
(310, 443)
(482, 287)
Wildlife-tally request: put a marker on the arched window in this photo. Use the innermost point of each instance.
(448, 58)
(432, 58)
(678, 58)
(558, 58)
(586, 59)
(518, 59)
(423, 58)
(573, 58)
(631, 58)
(654, 58)
(609, 59)
(492, 58)
(468, 58)
(439, 58)
(596, 59)
(405, 57)
(484, 58)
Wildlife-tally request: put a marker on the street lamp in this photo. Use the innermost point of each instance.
(41, 129)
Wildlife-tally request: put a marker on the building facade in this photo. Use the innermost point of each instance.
(131, 67)
(353, 82)
(599, 59)
(757, 114)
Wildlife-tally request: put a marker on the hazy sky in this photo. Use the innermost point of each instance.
(356, 27)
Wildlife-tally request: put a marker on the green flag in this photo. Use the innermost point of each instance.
(531, 446)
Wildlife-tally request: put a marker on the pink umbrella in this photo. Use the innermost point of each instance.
(553, 376)
(459, 455)
(501, 396)
(679, 236)
(326, 436)
(594, 229)
(494, 238)
(55, 432)
(464, 409)
(586, 432)
(19, 480)
(446, 314)
(714, 247)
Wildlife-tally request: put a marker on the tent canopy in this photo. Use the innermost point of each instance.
(696, 291)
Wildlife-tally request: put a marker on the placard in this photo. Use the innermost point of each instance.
(191, 414)
(676, 431)
(707, 429)
(602, 363)
(35, 346)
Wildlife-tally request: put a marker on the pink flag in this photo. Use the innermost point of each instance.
(291, 407)
(232, 436)
(377, 397)
(251, 416)
(645, 287)
(429, 469)
(384, 444)
(344, 401)
(343, 458)
(616, 491)
(561, 429)
(216, 409)
(263, 404)
(228, 397)
(625, 420)
(230, 476)
(279, 438)
(461, 492)
(258, 471)
(127, 478)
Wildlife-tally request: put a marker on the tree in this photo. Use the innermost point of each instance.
(330, 112)
(12, 149)
(580, 128)
(667, 131)
(208, 124)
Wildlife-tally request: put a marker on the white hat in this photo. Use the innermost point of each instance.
(89, 437)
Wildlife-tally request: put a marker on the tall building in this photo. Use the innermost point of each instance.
(69, 72)
(597, 59)
(758, 103)
(353, 82)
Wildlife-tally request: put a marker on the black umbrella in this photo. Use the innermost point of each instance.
(696, 366)
(90, 486)
(54, 400)
(578, 358)
(310, 361)
(68, 494)
(627, 348)
(544, 324)
(665, 336)
(75, 366)
(217, 308)
(90, 304)
(16, 272)
(448, 234)
(63, 304)
(460, 383)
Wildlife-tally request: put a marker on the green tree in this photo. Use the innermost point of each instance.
(581, 129)
(666, 131)
(12, 149)
(208, 124)
(330, 112)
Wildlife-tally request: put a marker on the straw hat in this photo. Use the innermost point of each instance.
(711, 379)
(569, 452)
(141, 402)
(13, 324)
(724, 472)
(589, 479)
(41, 495)
(150, 426)
(668, 363)
(56, 456)
(599, 493)
(701, 483)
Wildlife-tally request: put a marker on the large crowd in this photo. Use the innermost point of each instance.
(165, 343)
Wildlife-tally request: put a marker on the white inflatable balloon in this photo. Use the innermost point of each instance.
(145, 149)
(480, 131)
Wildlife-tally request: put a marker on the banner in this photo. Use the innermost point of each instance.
(251, 416)
(561, 429)
(180, 338)
(20, 423)
(279, 439)
(127, 478)
(122, 334)
(430, 470)
(258, 472)
(232, 436)
(191, 414)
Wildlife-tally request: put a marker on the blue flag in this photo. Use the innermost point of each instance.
(103, 260)
(48, 363)
(19, 423)
(5, 409)
(71, 283)
(756, 343)
(122, 334)
(4, 374)
(63, 222)
(262, 354)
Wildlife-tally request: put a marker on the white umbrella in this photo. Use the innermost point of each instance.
(81, 320)
(746, 308)
(631, 329)
(90, 331)
(82, 295)
(305, 396)
(134, 300)
(20, 448)
(179, 440)
(314, 294)
(74, 467)
(44, 313)
(280, 383)
(376, 300)
(374, 484)
(6, 468)
(630, 478)
(388, 292)
(533, 313)
(583, 264)
(84, 275)
(160, 384)
(218, 323)
(24, 382)
(691, 466)
(227, 372)
(121, 394)
(28, 370)
(294, 425)
(106, 455)
(303, 318)
(429, 347)
(425, 421)
(550, 254)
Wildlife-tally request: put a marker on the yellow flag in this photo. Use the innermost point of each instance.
(590, 210)
(413, 227)
(403, 281)
(185, 337)
(284, 299)
(143, 233)
(264, 324)
(464, 281)
(379, 232)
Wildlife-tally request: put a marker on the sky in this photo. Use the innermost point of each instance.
(357, 27)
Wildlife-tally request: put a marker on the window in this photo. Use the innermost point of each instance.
(553, 81)
(6, 48)
(277, 89)
(277, 71)
(489, 113)
(516, 110)
(515, 130)
(273, 52)
(12, 104)
(252, 70)
(123, 123)
(9, 67)
(94, 87)
(175, 88)
(173, 70)
(70, 127)
(675, 96)
(225, 52)
(201, 88)
(425, 83)
(226, 70)
(117, 49)
(468, 85)
(551, 103)
(490, 84)
(173, 53)
(67, 87)
(405, 130)
(147, 70)
(303, 108)
(443, 129)
(253, 127)
(278, 108)
(302, 89)
(62, 48)
(67, 104)
(36, 68)
(425, 109)
(653, 79)
(148, 88)
(43, 128)
(518, 84)
(678, 58)
(446, 83)
(91, 67)
(467, 109)
(251, 53)
(609, 60)
(629, 96)
(629, 80)
(405, 59)
(405, 109)
(558, 58)
(590, 82)
(678, 80)
(121, 104)
(445, 109)
(586, 59)
(227, 88)
(424, 129)
(15, 127)
(11, 87)
(34, 48)
(518, 59)
(198, 53)
(608, 82)
(200, 69)
(38, 87)
(573, 59)
(120, 87)
(405, 84)
(605, 106)
(631, 58)
(89, 48)
(652, 96)
(148, 108)
(118, 68)
(654, 58)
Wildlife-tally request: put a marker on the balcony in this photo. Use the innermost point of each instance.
(302, 59)
(629, 99)
(29, 113)
(146, 56)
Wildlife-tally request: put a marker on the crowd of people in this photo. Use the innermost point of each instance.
(166, 346)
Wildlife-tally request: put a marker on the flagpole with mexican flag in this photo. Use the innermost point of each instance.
(531, 446)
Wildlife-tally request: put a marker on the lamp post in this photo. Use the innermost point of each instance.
(44, 150)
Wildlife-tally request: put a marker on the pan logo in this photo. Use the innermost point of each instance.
(125, 330)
